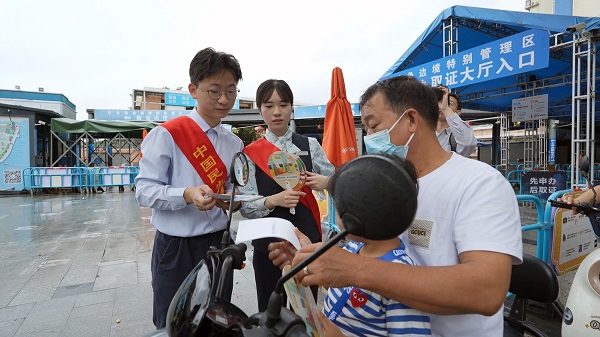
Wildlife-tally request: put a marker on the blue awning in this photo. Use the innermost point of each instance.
(478, 26)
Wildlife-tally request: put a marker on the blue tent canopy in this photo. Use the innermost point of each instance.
(478, 26)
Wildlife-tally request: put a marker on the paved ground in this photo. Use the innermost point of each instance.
(79, 265)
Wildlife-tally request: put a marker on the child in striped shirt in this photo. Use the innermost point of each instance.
(359, 312)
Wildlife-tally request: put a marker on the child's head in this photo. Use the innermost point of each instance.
(375, 195)
(209, 62)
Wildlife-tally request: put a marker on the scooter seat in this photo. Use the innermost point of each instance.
(534, 280)
(531, 280)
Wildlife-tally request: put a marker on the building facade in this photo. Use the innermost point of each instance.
(564, 7)
(58, 103)
(178, 99)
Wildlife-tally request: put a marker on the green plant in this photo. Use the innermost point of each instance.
(247, 135)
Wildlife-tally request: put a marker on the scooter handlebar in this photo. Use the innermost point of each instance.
(581, 208)
(287, 325)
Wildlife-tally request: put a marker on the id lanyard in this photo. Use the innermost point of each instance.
(354, 247)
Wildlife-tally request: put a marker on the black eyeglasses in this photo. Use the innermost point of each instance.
(216, 94)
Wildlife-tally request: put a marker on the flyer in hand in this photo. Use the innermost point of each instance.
(304, 305)
(237, 198)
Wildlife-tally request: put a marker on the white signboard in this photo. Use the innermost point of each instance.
(573, 240)
(530, 108)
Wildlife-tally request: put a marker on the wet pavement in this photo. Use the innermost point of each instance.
(79, 265)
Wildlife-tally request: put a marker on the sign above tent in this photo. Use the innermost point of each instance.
(179, 99)
(509, 56)
(138, 115)
(530, 108)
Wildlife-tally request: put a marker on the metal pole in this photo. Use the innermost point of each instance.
(51, 147)
(552, 141)
(574, 110)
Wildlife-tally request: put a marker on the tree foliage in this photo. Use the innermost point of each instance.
(247, 135)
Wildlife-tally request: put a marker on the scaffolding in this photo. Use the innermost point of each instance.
(85, 150)
(583, 102)
(450, 31)
(504, 143)
(96, 143)
(529, 147)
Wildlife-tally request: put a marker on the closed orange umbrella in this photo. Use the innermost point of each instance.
(144, 134)
(339, 135)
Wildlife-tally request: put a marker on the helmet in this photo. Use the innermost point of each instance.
(375, 195)
(195, 311)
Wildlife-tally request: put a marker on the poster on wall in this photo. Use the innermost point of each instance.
(530, 108)
(14, 152)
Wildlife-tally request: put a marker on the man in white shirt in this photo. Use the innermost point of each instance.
(466, 234)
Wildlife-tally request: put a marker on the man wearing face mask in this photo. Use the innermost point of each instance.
(379, 142)
(467, 230)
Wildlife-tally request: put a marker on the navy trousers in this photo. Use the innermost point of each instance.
(173, 258)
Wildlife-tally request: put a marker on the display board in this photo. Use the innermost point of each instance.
(530, 108)
(14, 151)
(573, 239)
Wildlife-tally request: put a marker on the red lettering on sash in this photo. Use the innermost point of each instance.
(200, 152)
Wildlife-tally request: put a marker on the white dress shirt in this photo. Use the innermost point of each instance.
(463, 134)
(165, 173)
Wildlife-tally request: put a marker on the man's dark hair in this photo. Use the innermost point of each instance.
(457, 98)
(208, 62)
(266, 89)
(405, 92)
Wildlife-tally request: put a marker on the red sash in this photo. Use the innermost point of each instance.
(198, 149)
(259, 152)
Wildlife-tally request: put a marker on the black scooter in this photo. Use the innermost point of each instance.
(199, 309)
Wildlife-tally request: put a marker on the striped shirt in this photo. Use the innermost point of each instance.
(379, 316)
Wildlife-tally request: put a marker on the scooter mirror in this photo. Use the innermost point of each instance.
(239, 167)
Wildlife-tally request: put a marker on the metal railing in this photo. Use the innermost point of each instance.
(39, 178)
(35, 178)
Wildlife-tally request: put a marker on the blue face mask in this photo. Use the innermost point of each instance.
(379, 142)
